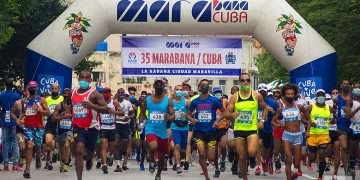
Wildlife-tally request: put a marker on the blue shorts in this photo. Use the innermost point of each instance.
(180, 138)
(293, 138)
(36, 135)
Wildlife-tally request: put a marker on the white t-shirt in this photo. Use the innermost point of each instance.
(355, 120)
(125, 107)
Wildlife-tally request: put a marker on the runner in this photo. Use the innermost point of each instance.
(343, 124)
(289, 116)
(85, 103)
(221, 135)
(160, 110)
(187, 92)
(123, 129)
(234, 90)
(179, 127)
(33, 109)
(107, 130)
(277, 134)
(318, 139)
(266, 134)
(243, 109)
(62, 115)
(51, 124)
(353, 113)
(204, 121)
(8, 99)
(141, 130)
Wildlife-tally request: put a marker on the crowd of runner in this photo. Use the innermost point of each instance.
(248, 128)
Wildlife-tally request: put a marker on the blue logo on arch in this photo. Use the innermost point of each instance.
(138, 11)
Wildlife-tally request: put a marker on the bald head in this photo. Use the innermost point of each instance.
(55, 89)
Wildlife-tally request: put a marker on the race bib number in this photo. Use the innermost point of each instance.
(321, 123)
(30, 111)
(79, 111)
(107, 119)
(205, 116)
(333, 127)
(157, 117)
(355, 127)
(179, 115)
(7, 117)
(65, 124)
(245, 117)
(52, 108)
(290, 115)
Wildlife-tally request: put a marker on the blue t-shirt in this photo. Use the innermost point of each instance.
(342, 122)
(156, 123)
(180, 111)
(205, 113)
(7, 100)
(271, 102)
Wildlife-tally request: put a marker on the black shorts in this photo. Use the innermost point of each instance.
(333, 136)
(208, 138)
(86, 136)
(108, 134)
(123, 131)
(50, 128)
(220, 133)
(243, 134)
(267, 139)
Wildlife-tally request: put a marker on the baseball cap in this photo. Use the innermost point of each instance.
(320, 91)
(262, 87)
(356, 92)
(216, 90)
(32, 84)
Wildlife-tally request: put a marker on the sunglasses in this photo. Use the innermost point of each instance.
(245, 80)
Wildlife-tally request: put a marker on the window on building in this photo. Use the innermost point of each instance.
(222, 82)
(98, 76)
(236, 82)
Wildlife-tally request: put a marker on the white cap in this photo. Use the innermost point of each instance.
(320, 90)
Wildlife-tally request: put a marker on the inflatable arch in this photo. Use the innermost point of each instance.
(310, 59)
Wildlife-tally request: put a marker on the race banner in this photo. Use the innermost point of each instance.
(182, 56)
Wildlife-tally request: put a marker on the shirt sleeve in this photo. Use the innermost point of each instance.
(192, 106)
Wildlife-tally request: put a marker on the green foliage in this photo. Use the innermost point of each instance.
(270, 69)
(9, 14)
(338, 22)
(86, 65)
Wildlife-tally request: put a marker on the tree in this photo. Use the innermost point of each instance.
(85, 64)
(24, 20)
(270, 69)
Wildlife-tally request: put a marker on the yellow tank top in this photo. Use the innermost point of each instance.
(53, 102)
(321, 117)
(248, 113)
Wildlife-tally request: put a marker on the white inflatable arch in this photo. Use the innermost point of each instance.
(309, 58)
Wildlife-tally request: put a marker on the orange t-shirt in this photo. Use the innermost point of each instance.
(224, 123)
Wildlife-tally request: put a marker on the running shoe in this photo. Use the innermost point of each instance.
(252, 163)
(118, 169)
(142, 167)
(217, 173)
(222, 166)
(98, 165)
(26, 175)
(157, 178)
(258, 171)
(105, 169)
(151, 168)
(66, 168)
(178, 170)
(89, 164)
(110, 161)
(186, 165)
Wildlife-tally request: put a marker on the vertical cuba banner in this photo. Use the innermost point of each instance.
(182, 56)
(45, 81)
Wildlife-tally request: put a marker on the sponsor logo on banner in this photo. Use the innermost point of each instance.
(289, 27)
(230, 58)
(76, 24)
(217, 11)
(309, 86)
(45, 81)
(132, 58)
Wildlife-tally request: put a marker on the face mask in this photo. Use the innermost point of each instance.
(179, 94)
(204, 89)
(132, 98)
(32, 92)
(84, 84)
(218, 96)
(186, 93)
(320, 100)
(54, 94)
(245, 88)
(289, 99)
